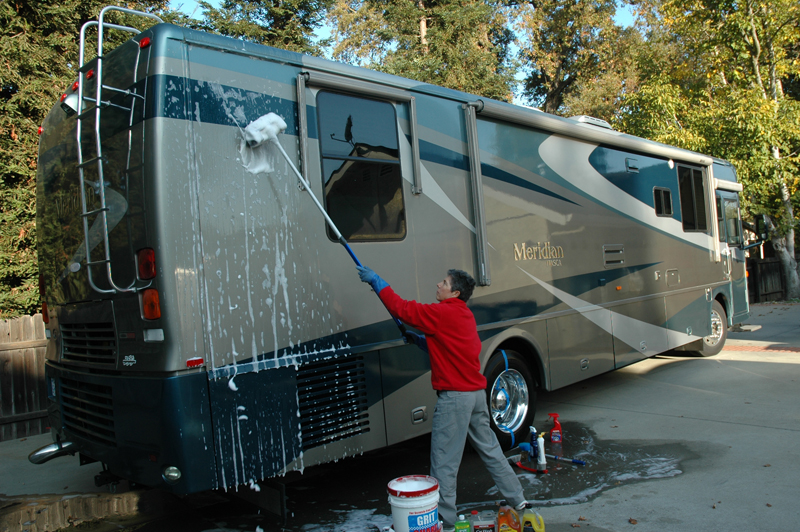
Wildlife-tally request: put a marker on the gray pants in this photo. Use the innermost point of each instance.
(458, 416)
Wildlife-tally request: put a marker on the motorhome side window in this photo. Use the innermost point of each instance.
(663, 201)
(693, 199)
(361, 167)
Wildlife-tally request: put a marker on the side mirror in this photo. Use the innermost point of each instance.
(761, 227)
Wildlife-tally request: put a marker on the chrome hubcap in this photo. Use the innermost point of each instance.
(509, 400)
(716, 329)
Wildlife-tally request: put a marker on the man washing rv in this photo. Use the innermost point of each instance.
(451, 340)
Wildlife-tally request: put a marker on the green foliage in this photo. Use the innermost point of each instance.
(460, 44)
(286, 24)
(567, 44)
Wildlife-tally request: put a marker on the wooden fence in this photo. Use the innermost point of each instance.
(765, 280)
(23, 395)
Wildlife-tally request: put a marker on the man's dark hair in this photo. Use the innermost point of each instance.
(463, 282)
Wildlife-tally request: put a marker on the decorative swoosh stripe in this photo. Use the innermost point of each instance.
(629, 330)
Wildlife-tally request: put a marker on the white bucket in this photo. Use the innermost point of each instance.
(415, 503)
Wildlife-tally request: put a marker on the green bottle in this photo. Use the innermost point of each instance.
(462, 525)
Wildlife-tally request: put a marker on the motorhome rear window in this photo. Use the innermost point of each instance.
(693, 199)
(361, 167)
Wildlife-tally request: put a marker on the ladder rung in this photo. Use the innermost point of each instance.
(95, 262)
(96, 211)
(90, 161)
(123, 91)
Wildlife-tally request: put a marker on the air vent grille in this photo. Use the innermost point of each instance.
(87, 411)
(333, 401)
(89, 343)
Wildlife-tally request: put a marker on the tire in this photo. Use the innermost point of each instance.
(714, 342)
(511, 396)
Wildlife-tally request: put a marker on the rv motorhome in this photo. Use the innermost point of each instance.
(206, 329)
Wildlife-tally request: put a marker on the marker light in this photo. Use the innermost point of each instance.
(41, 129)
(151, 308)
(90, 74)
(146, 259)
(194, 362)
(172, 474)
(75, 86)
(144, 43)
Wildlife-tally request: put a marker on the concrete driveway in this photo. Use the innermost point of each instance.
(671, 443)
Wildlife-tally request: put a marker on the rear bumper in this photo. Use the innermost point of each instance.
(137, 426)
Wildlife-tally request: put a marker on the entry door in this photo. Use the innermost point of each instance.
(736, 268)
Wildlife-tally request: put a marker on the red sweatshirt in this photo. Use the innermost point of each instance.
(452, 336)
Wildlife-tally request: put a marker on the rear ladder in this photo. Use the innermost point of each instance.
(101, 212)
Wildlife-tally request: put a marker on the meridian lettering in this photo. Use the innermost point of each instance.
(539, 252)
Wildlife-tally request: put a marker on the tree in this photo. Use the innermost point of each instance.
(567, 44)
(725, 96)
(39, 52)
(600, 95)
(460, 44)
(285, 24)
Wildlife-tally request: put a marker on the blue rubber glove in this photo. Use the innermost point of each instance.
(418, 339)
(368, 276)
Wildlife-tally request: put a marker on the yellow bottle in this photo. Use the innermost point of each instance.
(532, 521)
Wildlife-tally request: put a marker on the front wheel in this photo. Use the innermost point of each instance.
(714, 342)
(511, 392)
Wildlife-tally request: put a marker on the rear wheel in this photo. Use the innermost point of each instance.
(511, 392)
(714, 342)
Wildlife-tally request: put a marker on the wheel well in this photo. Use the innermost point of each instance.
(722, 300)
(529, 353)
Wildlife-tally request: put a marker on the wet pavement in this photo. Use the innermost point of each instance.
(670, 443)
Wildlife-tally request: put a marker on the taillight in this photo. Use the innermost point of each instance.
(146, 259)
(151, 308)
(144, 43)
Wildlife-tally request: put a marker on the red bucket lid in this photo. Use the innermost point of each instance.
(412, 486)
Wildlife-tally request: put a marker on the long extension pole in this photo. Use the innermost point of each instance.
(332, 225)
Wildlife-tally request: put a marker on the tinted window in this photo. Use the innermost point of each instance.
(361, 167)
(693, 199)
(732, 222)
(663, 201)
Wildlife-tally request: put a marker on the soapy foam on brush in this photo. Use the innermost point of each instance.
(254, 147)
(263, 129)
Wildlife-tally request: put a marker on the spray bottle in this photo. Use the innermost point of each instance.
(555, 432)
(541, 462)
(462, 525)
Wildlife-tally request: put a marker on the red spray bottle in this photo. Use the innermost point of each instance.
(555, 432)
